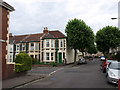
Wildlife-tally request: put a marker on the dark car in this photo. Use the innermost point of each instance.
(82, 61)
(105, 63)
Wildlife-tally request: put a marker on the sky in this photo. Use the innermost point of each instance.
(31, 16)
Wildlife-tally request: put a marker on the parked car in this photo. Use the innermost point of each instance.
(105, 63)
(113, 72)
(119, 84)
(82, 61)
(102, 58)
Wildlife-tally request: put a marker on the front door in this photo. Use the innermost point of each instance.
(60, 57)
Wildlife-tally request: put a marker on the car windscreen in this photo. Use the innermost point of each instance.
(111, 60)
(115, 66)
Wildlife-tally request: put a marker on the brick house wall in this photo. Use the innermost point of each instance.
(7, 69)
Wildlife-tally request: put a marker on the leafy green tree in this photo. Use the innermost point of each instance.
(23, 62)
(79, 35)
(106, 38)
(92, 49)
(117, 56)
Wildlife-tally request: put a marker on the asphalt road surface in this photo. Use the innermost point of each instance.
(81, 76)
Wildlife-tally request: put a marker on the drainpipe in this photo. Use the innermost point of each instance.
(56, 53)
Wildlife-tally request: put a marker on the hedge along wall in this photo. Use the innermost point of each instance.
(23, 62)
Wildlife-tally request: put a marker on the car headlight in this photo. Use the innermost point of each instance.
(112, 74)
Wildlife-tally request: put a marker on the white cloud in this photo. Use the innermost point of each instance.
(32, 15)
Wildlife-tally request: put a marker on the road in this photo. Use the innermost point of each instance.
(81, 76)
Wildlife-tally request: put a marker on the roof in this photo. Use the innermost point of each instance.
(54, 34)
(32, 37)
(17, 39)
(6, 5)
(37, 37)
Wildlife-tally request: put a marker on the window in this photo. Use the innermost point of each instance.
(23, 46)
(32, 56)
(10, 58)
(36, 57)
(18, 47)
(52, 43)
(52, 56)
(47, 56)
(64, 43)
(11, 48)
(36, 46)
(32, 46)
(61, 43)
(47, 43)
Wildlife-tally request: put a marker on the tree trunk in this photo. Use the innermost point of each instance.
(82, 53)
(75, 57)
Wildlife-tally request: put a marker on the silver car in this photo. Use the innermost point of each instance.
(113, 72)
(82, 61)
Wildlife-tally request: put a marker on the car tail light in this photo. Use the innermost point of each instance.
(107, 63)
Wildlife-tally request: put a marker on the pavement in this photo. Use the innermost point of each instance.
(33, 75)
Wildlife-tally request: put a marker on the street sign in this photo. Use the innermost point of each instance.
(2, 40)
(119, 14)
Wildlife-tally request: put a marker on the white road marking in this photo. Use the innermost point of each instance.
(55, 71)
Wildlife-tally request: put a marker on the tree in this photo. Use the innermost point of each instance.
(117, 56)
(23, 62)
(106, 38)
(79, 35)
(92, 49)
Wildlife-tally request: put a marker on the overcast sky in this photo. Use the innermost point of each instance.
(31, 16)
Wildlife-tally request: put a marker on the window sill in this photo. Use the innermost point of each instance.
(10, 62)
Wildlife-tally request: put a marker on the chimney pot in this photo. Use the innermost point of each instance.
(10, 34)
(45, 30)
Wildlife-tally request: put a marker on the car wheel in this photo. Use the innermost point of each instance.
(104, 71)
(108, 80)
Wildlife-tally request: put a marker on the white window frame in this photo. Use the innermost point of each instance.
(32, 48)
(17, 47)
(37, 46)
(23, 46)
(52, 57)
(52, 43)
(47, 43)
(47, 56)
(61, 44)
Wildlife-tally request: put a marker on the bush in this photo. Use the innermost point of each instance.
(35, 61)
(23, 62)
(54, 64)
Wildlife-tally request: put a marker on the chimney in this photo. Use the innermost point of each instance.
(10, 34)
(45, 30)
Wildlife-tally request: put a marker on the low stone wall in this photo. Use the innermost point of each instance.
(9, 71)
(45, 65)
(41, 65)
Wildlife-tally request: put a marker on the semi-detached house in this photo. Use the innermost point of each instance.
(49, 46)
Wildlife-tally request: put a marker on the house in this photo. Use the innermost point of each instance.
(7, 68)
(49, 46)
